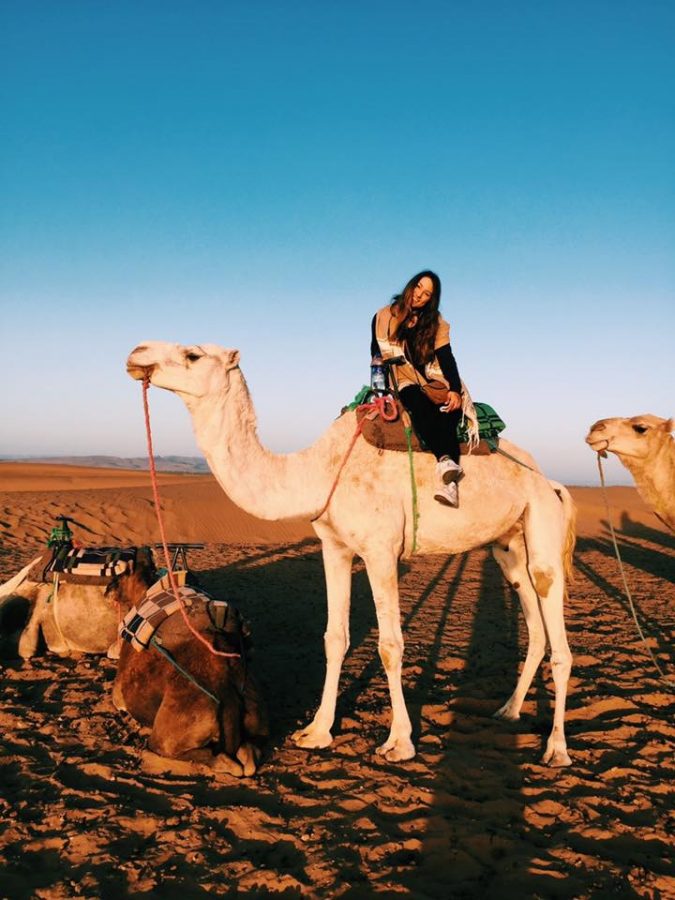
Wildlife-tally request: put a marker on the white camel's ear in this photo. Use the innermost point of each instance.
(231, 359)
(669, 426)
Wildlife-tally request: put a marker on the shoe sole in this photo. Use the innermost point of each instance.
(445, 502)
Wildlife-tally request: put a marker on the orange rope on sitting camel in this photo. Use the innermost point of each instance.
(169, 567)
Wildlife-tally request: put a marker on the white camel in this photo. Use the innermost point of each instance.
(646, 447)
(370, 515)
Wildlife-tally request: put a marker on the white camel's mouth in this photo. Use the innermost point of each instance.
(138, 372)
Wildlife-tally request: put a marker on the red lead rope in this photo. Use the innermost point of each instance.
(377, 406)
(169, 567)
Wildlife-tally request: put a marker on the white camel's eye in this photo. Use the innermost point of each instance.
(192, 357)
(641, 429)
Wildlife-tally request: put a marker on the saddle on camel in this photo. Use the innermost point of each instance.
(384, 425)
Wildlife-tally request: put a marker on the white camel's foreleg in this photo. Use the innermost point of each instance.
(383, 576)
(511, 556)
(337, 563)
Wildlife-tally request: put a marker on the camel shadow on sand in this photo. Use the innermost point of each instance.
(455, 676)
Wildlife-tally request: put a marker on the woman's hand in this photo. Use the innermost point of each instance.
(453, 402)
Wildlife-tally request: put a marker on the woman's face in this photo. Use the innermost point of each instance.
(422, 292)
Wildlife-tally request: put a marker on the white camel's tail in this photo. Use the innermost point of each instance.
(570, 513)
(10, 587)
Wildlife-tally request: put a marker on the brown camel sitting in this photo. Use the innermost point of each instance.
(645, 446)
(72, 617)
(210, 712)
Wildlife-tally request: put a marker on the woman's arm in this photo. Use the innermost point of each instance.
(448, 364)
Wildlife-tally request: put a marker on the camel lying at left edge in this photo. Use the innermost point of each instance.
(80, 618)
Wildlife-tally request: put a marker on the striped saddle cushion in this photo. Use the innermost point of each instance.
(88, 565)
(142, 621)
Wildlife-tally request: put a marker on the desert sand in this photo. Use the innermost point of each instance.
(88, 811)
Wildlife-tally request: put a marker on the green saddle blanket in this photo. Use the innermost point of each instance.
(490, 424)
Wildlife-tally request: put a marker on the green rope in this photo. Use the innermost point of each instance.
(408, 439)
(513, 459)
(172, 659)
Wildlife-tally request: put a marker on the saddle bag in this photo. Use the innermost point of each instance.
(436, 391)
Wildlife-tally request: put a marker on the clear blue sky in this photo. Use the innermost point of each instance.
(265, 175)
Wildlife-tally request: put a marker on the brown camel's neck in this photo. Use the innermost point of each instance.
(264, 484)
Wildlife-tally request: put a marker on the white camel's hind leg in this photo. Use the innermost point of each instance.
(382, 571)
(545, 538)
(511, 555)
(337, 562)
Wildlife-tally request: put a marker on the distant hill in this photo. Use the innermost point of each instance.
(194, 464)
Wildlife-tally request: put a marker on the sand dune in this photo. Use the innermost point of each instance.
(88, 810)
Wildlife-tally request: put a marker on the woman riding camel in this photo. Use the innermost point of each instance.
(412, 327)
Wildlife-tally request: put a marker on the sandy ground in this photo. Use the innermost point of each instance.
(88, 811)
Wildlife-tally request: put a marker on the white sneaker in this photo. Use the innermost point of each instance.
(448, 470)
(448, 495)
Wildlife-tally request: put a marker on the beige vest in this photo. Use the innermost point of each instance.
(406, 374)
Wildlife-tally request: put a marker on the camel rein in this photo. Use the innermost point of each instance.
(165, 548)
(662, 674)
(378, 406)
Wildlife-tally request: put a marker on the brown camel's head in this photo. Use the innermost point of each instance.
(637, 438)
(129, 588)
(197, 370)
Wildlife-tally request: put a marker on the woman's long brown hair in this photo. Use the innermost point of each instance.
(421, 336)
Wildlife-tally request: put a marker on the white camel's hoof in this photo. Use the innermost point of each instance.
(556, 757)
(397, 751)
(312, 738)
(506, 713)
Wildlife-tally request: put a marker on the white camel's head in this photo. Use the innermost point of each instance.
(637, 438)
(197, 370)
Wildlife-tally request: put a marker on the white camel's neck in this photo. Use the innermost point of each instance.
(655, 481)
(263, 484)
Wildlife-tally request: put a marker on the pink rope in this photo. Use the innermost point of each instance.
(169, 567)
(377, 406)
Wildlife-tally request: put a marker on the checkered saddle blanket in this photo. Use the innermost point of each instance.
(142, 621)
(87, 565)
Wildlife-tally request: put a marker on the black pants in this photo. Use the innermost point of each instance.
(437, 429)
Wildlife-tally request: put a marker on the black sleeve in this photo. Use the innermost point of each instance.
(448, 364)
(374, 346)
